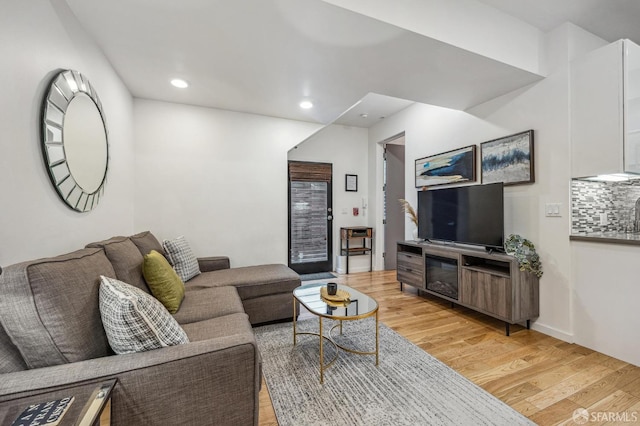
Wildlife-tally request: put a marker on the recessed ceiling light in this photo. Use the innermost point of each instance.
(365, 115)
(179, 83)
(306, 104)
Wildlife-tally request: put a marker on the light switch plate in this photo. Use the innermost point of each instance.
(552, 209)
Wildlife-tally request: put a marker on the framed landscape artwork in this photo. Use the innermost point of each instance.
(458, 165)
(508, 159)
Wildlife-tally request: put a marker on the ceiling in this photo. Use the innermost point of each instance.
(608, 19)
(265, 56)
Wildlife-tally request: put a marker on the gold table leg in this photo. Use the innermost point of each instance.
(321, 354)
(294, 321)
(377, 339)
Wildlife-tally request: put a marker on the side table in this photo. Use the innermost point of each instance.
(362, 233)
(91, 405)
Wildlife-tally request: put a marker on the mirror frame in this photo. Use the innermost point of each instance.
(64, 87)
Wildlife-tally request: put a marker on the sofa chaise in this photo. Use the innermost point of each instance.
(52, 338)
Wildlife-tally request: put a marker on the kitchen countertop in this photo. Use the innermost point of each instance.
(610, 237)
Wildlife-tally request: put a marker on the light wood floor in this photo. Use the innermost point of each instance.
(544, 378)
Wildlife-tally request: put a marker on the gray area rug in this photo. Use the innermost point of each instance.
(409, 387)
(317, 276)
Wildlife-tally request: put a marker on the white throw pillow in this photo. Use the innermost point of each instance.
(134, 320)
(181, 258)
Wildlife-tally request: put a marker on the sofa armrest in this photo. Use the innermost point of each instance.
(213, 263)
(213, 381)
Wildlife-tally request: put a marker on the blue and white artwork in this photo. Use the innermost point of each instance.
(508, 160)
(449, 167)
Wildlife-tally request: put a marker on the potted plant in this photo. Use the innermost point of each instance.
(525, 252)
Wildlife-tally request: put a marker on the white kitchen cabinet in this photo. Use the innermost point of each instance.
(605, 110)
(632, 107)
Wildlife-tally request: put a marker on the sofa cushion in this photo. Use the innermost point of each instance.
(146, 241)
(251, 281)
(10, 358)
(126, 260)
(49, 307)
(164, 283)
(227, 325)
(134, 321)
(207, 303)
(182, 258)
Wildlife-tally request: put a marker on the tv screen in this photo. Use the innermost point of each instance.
(465, 214)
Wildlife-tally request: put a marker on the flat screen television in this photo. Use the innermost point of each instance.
(465, 214)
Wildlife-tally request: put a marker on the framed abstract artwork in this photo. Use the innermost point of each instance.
(508, 159)
(458, 165)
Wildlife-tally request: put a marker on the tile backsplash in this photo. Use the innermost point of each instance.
(590, 200)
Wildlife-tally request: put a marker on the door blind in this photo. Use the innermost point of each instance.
(309, 172)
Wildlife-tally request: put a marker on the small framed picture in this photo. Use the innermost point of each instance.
(351, 183)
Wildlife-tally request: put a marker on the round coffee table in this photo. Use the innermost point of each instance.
(358, 306)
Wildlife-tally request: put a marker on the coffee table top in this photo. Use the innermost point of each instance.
(360, 306)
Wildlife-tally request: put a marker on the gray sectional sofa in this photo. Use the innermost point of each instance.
(52, 339)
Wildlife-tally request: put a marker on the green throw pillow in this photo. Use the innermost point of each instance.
(163, 281)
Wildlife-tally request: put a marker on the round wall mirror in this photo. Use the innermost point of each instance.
(74, 135)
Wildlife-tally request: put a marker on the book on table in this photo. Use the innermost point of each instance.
(48, 413)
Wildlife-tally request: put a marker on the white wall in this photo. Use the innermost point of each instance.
(544, 107)
(36, 39)
(217, 177)
(347, 149)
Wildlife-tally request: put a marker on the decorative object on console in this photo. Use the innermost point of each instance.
(134, 321)
(406, 207)
(341, 296)
(351, 183)
(458, 165)
(525, 252)
(181, 256)
(163, 281)
(74, 140)
(508, 159)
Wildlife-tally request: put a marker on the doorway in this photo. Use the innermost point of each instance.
(310, 217)
(394, 189)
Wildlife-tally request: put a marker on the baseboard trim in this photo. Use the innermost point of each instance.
(553, 332)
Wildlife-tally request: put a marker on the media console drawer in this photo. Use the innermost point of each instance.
(410, 266)
(410, 276)
(410, 259)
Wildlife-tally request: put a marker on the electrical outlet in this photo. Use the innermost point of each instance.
(603, 219)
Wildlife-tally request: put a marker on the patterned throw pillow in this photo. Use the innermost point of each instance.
(182, 258)
(164, 283)
(134, 321)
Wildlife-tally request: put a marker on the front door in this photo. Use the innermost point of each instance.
(310, 217)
